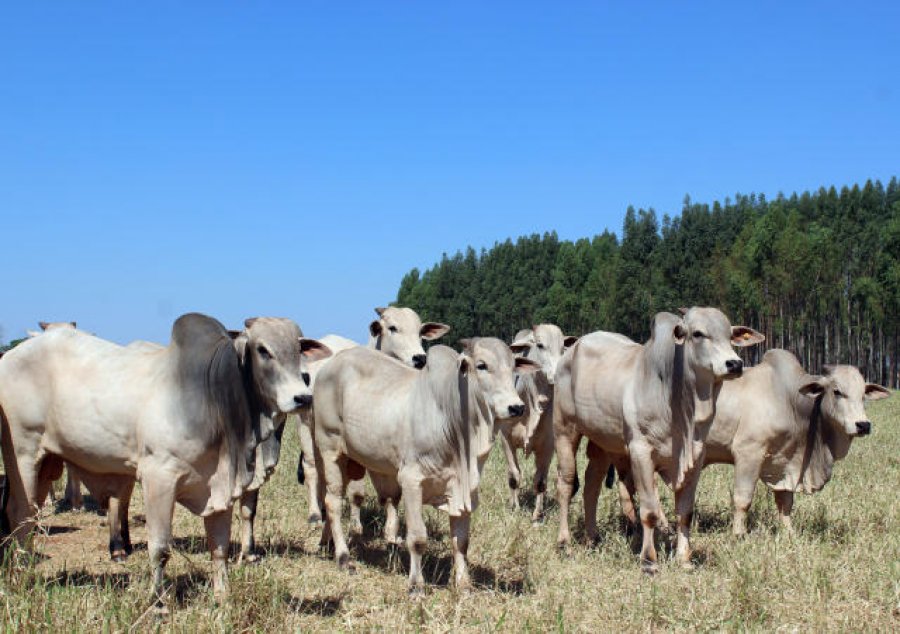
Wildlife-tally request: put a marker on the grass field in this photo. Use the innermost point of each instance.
(840, 572)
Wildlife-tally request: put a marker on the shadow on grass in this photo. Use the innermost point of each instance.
(317, 606)
(84, 579)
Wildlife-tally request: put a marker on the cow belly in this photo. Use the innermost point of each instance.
(91, 445)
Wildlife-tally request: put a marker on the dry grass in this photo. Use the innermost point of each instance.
(840, 572)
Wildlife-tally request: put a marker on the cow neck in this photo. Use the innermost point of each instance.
(691, 403)
(266, 423)
(818, 460)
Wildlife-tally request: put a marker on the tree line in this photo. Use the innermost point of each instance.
(818, 273)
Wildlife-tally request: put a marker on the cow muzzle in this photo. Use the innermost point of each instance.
(734, 367)
(863, 428)
(419, 361)
(303, 400)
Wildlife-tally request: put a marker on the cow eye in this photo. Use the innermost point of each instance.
(482, 366)
(264, 352)
(540, 346)
(305, 377)
(839, 394)
(698, 334)
(392, 328)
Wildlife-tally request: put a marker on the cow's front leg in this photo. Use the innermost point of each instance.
(416, 532)
(784, 501)
(644, 474)
(335, 482)
(117, 515)
(684, 508)
(594, 474)
(306, 469)
(746, 473)
(459, 533)
(513, 472)
(248, 519)
(389, 495)
(159, 506)
(218, 532)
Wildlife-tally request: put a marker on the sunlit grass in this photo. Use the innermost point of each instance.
(840, 572)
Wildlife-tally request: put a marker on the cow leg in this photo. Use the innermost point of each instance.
(746, 473)
(218, 534)
(248, 517)
(684, 508)
(626, 498)
(119, 534)
(356, 491)
(566, 479)
(73, 496)
(644, 479)
(459, 532)
(594, 474)
(543, 455)
(416, 532)
(159, 506)
(310, 474)
(784, 500)
(334, 474)
(513, 472)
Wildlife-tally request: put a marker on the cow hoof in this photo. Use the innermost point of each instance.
(356, 530)
(314, 519)
(119, 556)
(249, 558)
(416, 592)
(345, 564)
(649, 568)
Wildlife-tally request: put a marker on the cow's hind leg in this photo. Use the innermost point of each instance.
(159, 506)
(218, 531)
(356, 491)
(784, 500)
(334, 474)
(746, 473)
(567, 441)
(248, 518)
(307, 467)
(119, 533)
(543, 454)
(73, 497)
(594, 473)
(416, 531)
(389, 494)
(513, 472)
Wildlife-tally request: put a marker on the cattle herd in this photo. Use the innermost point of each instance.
(200, 421)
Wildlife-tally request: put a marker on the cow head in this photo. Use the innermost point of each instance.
(544, 344)
(843, 391)
(708, 337)
(399, 332)
(273, 349)
(491, 366)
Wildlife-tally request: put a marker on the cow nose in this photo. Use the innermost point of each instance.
(419, 361)
(516, 410)
(734, 366)
(863, 428)
(303, 400)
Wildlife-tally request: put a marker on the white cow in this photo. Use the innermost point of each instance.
(648, 405)
(533, 432)
(176, 418)
(424, 433)
(398, 332)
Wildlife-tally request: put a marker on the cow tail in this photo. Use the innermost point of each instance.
(301, 474)
(610, 477)
(576, 485)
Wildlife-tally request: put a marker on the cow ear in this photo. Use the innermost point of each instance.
(375, 328)
(432, 330)
(249, 321)
(520, 346)
(380, 310)
(812, 388)
(743, 336)
(240, 344)
(683, 310)
(313, 350)
(526, 366)
(679, 333)
(466, 345)
(569, 341)
(463, 361)
(43, 325)
(828, 370)
(875, 392)
(234, 334)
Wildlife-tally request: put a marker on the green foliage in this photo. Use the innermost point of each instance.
(818, 273)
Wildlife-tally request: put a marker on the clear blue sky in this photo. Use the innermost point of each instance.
(297, 159)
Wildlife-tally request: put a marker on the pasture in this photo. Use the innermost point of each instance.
(839, 572)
